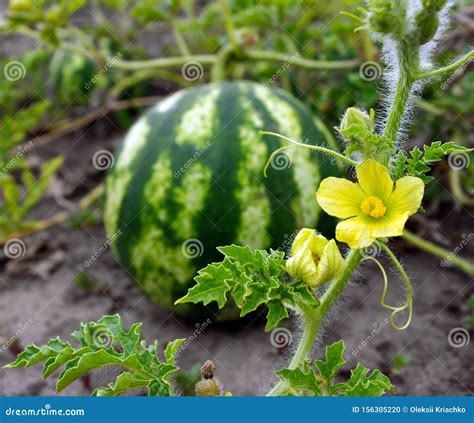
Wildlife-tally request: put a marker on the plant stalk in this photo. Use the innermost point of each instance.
(313, 318)
(440, 252)
(450, 68)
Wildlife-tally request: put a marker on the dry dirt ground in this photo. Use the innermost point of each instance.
(40, 287)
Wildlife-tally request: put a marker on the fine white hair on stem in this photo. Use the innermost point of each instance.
(390, 56)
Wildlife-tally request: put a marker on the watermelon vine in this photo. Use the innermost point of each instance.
(389, 189)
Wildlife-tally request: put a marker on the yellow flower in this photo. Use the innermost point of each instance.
(314, 259)
(373, 208)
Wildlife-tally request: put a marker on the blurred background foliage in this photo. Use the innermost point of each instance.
(63, 60)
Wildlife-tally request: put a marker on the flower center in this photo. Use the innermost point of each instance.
(373, 206)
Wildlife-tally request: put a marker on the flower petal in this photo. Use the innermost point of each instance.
(374, 179)
(407, 196)
(339, 197)
(331, 264)
(315, 242)
(356, 232)
(390, 225)
(302, 265)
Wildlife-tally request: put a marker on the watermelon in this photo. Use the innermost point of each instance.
(71, 76)
(189, 178)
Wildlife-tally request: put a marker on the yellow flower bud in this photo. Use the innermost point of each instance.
(314, 258)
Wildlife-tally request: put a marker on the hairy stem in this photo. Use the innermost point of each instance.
(324, 150)
(314, 317)
(440, 252)
(402, 93)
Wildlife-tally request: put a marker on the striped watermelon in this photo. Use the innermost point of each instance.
(189, 177)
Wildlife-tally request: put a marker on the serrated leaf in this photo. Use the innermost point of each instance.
(84, 364)
(276, 312)
(398, 165)
(253, 278)
(124, 382)
(105, 343)
(67, 354)
(361, 383)
(256, 295)
(419, 161)
(33, 354)
(211, 286)
(297, 379)
(172, 348)
(334, 360)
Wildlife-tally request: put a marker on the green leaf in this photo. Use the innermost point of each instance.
(211, 286)
(299, 380)
(37, 190)
(363, 383)
(253, 278)
(317, 379)
(124, 382)
(11, 195)
(397, 168)
(276, 312)
(334, 360)
(79, 366)
(105, 343)
(418, 162)
(171, 350)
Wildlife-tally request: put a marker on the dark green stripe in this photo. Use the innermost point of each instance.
(217, 224)
(134, 209)
(279, 184)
